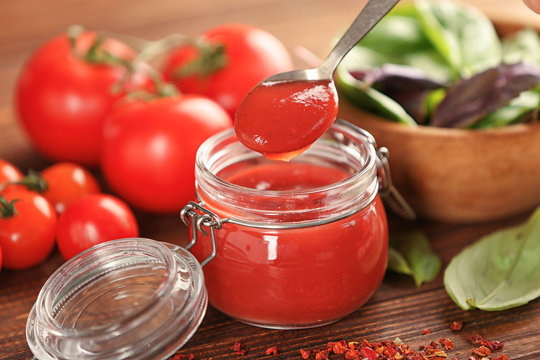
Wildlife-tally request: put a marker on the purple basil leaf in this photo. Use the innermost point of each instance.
(469, 100)
(404, 84)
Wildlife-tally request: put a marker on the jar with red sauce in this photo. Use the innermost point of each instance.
(293, 244)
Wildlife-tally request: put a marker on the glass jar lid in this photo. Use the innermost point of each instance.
(124, 299)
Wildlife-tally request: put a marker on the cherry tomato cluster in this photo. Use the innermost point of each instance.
(91, 100)
(63, 205)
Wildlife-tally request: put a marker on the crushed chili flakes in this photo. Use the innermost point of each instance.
(305, 353)
(426, 331)
(386, 350)
(447, 344)
(182, 357)
(239, 348)
(456, 325)
(478, 340)
(272, 350)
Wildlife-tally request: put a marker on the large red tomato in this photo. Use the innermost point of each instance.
(149, 149)
(27, 228)
(64, 92)
(226, 62)
(92, 220)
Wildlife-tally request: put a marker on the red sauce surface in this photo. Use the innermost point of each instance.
(282, 119)
(295, 277)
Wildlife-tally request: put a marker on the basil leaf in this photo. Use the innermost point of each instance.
(471, 99)
(523, 46)
(518, 110)
(463, 35)
(499, 271)
(371, 99)
(411, 254)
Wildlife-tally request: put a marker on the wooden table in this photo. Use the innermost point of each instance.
(398, 309)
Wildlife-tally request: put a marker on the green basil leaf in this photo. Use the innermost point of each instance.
(370, 99)
(397, 263)
(523, 46)
(463, 35)
(412, 255)
(499, 271)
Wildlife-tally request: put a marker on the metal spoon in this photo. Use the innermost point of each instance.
(370, 15)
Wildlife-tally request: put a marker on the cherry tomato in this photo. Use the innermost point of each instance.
(26, 232)
(64, 92)
(226, 63)
(92, 220)
(67, 183)
(149, 149)
(9, 172)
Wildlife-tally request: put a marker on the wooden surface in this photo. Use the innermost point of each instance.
(398, 309)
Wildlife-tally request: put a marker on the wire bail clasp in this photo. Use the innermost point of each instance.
(387, 189)
(201, 219)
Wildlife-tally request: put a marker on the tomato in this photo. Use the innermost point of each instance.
(149, 149)
(27, 232)
(63, 95)
(229, 60)
(92, 220)
(67, 183)
(9, 172)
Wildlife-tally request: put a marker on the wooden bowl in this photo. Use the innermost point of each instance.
(455, 175)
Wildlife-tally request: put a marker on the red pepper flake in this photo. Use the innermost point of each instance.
(181, 357)
(482, 351)
(495, 345)
(500, 357)
(239, 348)
(447, 344)
(322, 354)
(368, 354)
(426, 332)
(339, 347)
(456, 325)
(305, 354)
(272, 351)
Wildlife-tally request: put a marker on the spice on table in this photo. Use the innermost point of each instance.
(494, 345)
(482, 351)
(239, 348)
(447, 344)
(426, 331)
(456, 325)
(272, 351)
(305, 353)
(183, 357)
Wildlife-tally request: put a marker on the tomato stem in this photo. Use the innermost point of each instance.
(7, 208)
(211, 58)
(33, 181)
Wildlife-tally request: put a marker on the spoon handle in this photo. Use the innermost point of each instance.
(370, 15)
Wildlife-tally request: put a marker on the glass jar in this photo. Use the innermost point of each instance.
(290, 244)
(124, 299)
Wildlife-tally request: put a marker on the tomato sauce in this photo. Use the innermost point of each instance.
(282, 119)
(293, 277)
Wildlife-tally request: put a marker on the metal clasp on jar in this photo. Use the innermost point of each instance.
(201, 219)
(387, 189)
